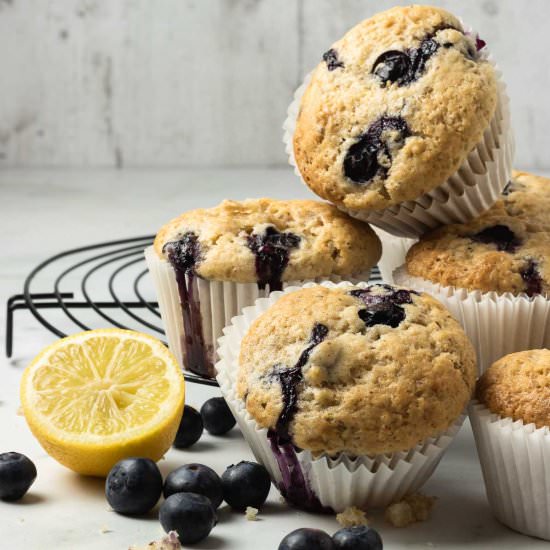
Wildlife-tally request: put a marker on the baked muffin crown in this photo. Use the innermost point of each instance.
(518, 386)
(372, 370)
(393, 109)
(314, 238)
(494, 253)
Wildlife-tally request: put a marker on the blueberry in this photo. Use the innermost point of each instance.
(272, 251)
(392, 65)
(361, 162)
(216, 416)
(357, 538)
(500, 235)
(17, 474)
(245, 484)
(331, 59)
(531, 276)
(307, 539)
(190, 428)
(192, 516)
(133, 486)
(185, 253)
(195, 478)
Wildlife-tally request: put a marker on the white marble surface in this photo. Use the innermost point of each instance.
(169, 83)
(44, 212)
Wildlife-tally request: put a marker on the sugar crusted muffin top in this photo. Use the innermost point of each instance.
(361, 371)
(518, 386)
(393, 109)
(307, 238)
(507, 249)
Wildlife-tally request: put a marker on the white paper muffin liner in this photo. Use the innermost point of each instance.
(470, 191)
(337, 482)
(515, 460)
(394, 251)
(496, 324)
(219, 302)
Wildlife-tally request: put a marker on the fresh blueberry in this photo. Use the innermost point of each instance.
(361, 163)
(195, 478)
(216, 416)
(357, 538)
(17, 474)
(192, 516)
(331, 59)
(133, 486)
(190, 428)
(500, 235)
(245, 484)
(307, 539)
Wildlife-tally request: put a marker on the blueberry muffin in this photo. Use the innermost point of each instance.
(355, 370)
(208, 264)
(518, 387)
(497, 252)
(394, 109)
(267, 241)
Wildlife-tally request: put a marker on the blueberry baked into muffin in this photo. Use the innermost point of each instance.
(393, 109)
(360, 371)
(224, 257)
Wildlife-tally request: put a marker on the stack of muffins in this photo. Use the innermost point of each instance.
(350, 393)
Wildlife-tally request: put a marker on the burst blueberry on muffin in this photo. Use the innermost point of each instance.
(394, 109)
(225, 257)
(352, 370)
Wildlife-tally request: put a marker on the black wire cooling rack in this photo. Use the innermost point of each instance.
(95, 286)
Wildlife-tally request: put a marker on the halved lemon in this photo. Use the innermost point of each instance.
(97, 397)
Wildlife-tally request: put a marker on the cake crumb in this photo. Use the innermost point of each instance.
(169, 542)
(413, 508)
(19, 411)
(104, 529)
(251, 513)
(352, 517)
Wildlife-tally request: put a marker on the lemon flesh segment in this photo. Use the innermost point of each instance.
(96, 397)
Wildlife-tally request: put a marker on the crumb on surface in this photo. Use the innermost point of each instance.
(351, 517)
(104, 529)
(19, 411)
(412, 509)
(168, 542)
(251, 513)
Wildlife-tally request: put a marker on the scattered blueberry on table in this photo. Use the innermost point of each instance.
(195, 478)
(133, 486)
(360, 537)
(190, 428)
(17, 474)
(245, 484)
(192, 516)
(216, 416)
(307, 539)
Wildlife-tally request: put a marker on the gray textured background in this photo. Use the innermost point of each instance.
(181, 83)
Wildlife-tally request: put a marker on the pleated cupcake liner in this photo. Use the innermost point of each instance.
(394, 251)
(515, 461)
(219, 302)
(496, 324)
(470, 191)
(335, 482)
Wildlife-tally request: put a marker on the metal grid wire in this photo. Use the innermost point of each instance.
(117, 269)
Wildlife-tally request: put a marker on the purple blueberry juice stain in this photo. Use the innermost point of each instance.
(532, 278)
(183, 255)
(294, 486)
(272, 250)
(361, 163)
(331, 59)
(500, 235)
(383, 308)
